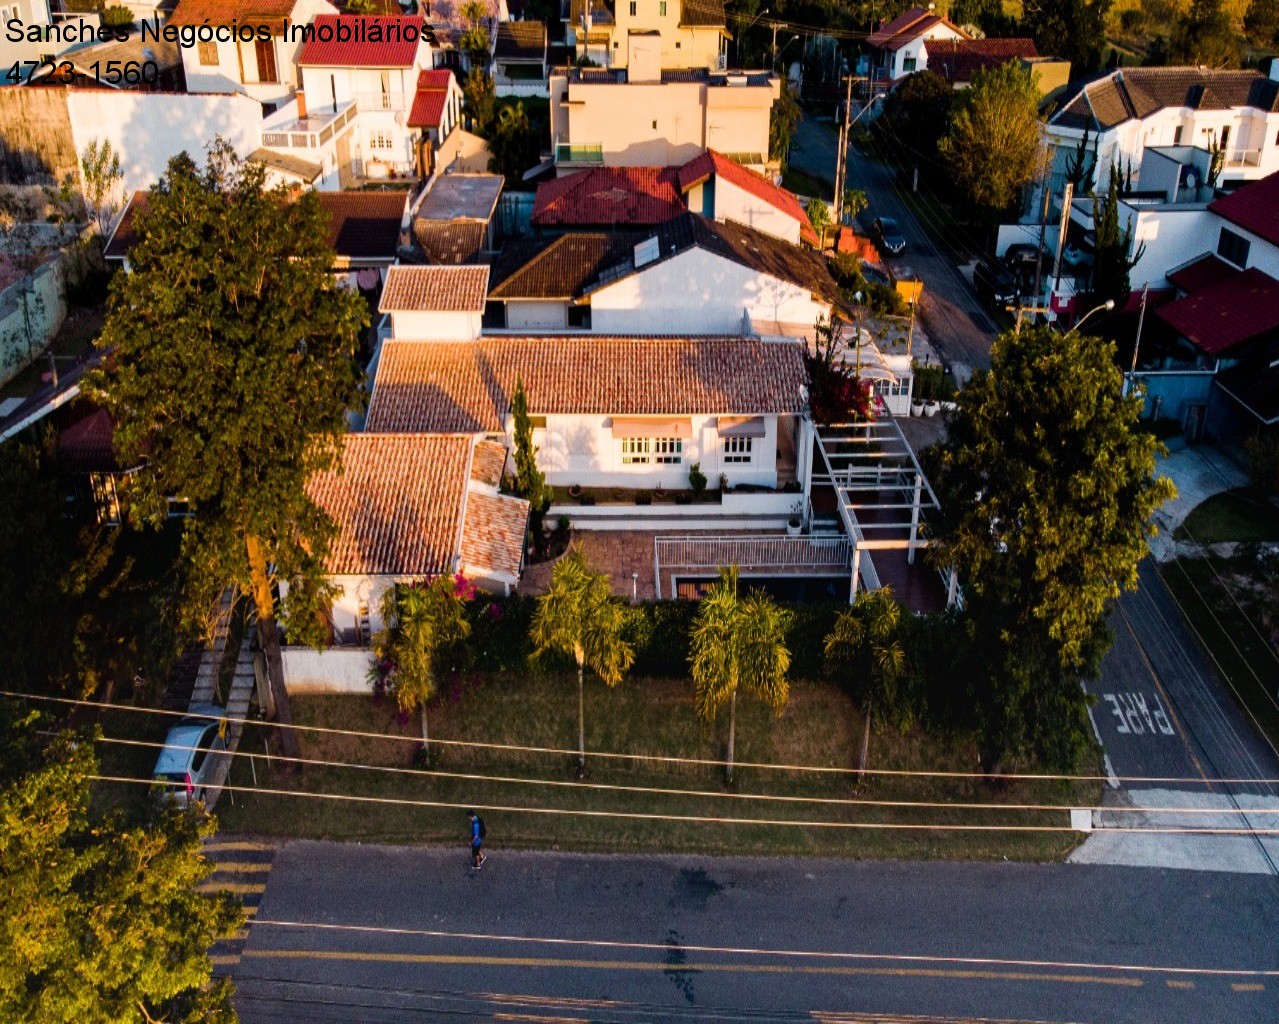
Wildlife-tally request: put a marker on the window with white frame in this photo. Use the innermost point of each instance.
(380, 140)
(738, 449)
(646, 450)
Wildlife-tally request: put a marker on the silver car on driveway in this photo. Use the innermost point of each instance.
(186, 763)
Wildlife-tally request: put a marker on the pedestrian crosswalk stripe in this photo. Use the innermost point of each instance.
(240, 867)
(235, 888)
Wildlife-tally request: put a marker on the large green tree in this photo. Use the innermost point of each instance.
(1261, 22)
(916, 116)
(865, 651)
(1047, 491)
(1206, 35)
(738, 642)
(229, 366)
(1072, 29)
(783, 119)
(579, 617)
(422, 621)
(993, 147)
(101, 922)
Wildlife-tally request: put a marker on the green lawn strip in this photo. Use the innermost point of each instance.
(641, 716)
(134, 760)
(1242, 514)
(1207, 590)
(807, 184)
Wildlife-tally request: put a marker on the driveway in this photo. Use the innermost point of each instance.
(959, 327)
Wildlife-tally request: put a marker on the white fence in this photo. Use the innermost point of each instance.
(335, 670)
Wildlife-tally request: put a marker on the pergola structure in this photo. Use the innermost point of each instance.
(881, 495)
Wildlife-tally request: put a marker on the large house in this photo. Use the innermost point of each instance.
(263, 68)
(709, 184)
(380, 79)
(684, 33)
(691, 275)
(673, 115)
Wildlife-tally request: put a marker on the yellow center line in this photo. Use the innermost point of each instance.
(1240, 986)
(541, 1019)
(644, 965)
(1174, 983)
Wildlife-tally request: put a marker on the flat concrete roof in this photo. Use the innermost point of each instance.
(462, 197)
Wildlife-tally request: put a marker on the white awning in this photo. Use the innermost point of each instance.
(625, 427)
(741, 426)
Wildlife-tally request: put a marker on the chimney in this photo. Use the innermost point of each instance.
(301, 105)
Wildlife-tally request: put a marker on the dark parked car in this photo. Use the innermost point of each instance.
(995, 285)
(1020, 259)
(888, 236)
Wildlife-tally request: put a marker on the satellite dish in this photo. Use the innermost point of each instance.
(400, 118)
(1191, 180)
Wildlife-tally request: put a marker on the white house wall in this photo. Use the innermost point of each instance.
(417, 326)
(582, 450)
(697, 292)
(1171, 238)
(537, 316)
(147, 129)
(736, 204)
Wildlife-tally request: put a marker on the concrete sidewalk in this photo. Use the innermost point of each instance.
(1198, 473)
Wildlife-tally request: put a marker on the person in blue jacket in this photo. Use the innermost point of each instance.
(478, 856)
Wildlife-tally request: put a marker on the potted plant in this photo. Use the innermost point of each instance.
(796, 521)
(643, 498)
(575, 491)
(659, 492)
(723, 481)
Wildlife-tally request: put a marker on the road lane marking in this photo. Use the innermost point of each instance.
(1175, 983)
(241, 867)
(236, 846)
(224, 961)
(1240, 986)
(235, 888)
(458, 960)
(540, 1019)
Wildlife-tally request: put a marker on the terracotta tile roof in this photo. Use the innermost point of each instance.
(520, 40)
(493, 535)
(223, 12)
(702, 167)
(906, 27)
(556, 268)
(378, 41)
(450, 242)
(88, 444)
(488, 463)
(1253, 207)
(432, 96)
(1139, 92)
(123, 238)
(957, 60)
(702, 14)
(466, 386)
(609, 197)
(443, 289)
(364, 225)
(286, 163)
(397, 503)
(1200, 272)
(1227, 313)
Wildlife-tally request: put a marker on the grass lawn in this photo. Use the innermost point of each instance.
(1239, 515)
(1224, 599)
(645, 716)
(807, 185)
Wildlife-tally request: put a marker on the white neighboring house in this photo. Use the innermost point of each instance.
(436, 302)
(900, 47)
(689, 275)
(379, 79)
(1120, 116)
(617, 412)
(29, 13)
(265, 69)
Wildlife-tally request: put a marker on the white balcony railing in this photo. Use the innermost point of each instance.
(311, 132)
(384, 100)
(1244, 158)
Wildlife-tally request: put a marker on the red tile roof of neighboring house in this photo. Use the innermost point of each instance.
(1228, 312)
(466, 386)
(404, 506)
(223, 12)
(608, 196)
(488, 463)
(397, 502)
(908, 26)
(1201, 272)
(433, 88)
(957, 60)
(493, 533)
(702, 167)
(1253, 207)
(364, 225)
(88, 445)
(123, 237)
(378, 41)
(436, 289)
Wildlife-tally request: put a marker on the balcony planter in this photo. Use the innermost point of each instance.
(575, 491)
(793, 526)
(917, 408)
(643, 498)
(931, 408)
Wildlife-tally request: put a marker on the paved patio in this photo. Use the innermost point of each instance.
(620, 553)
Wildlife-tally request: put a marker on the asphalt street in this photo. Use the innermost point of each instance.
(1162, 711)
(376, 934)
(958, 327)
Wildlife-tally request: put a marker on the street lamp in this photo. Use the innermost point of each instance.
(742, 31)
(1108, 305)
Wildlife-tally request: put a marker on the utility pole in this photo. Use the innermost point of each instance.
(1136, 345)
(1067, 196)
(773, 65)
(1019, 310)
(841, 158)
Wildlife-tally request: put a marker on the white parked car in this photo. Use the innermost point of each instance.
(187, 760)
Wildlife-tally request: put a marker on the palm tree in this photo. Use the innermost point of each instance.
(578, 616)
(865, 647)
(421, 620)
(738, 642)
